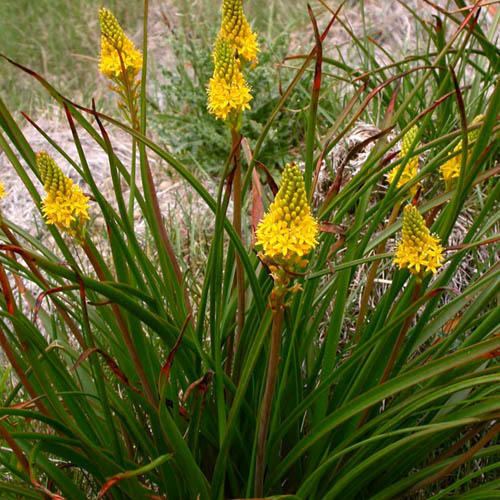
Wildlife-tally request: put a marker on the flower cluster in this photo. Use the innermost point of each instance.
(65, 205)
(288, 231)
(119, 57)
(236, 29)
(451, 169)
(228, 93)
(411, 168)
(418, 250)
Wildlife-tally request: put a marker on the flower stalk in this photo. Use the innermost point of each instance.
(234, 342)
(286, 235)
(228, 97)
(276, 303)
(420, 252)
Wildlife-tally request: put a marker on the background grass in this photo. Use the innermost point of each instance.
(63, 45)
(58, 38)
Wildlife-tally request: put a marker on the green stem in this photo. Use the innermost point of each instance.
(265, 410)
(233, 345)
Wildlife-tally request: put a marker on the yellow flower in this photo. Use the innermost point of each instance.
(451, 169)
(228, 92)
(65, 205)
(288, 231)
(411, 168)
(418, 250)
(110, 28)
(110, 64)
(2, 191)
(236, 29)
(117, 48)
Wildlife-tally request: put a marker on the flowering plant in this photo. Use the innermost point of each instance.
(335, 343)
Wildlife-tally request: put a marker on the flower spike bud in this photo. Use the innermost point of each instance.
(451, 169)
(65, 205)
(411, 168)
(110, 28)
(228, 92)
(236, 29)
(418, 250)
(118, 52)
(288, 232)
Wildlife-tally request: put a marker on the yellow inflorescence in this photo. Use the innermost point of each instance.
(418, 250)
(119, 56)
(2, 191)
(110, 28)
(451, 169)
(228, 92)
(236, 29)
(411, 168)
(288, 231)
(65, 205)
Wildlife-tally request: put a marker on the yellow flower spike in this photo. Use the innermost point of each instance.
(411, 168)
(65, 205)
(451, 169)
(228, 92)
(116, 48)
(288, 232)
(110, 28)
(2, 191)
(236, 29)
(418, 250)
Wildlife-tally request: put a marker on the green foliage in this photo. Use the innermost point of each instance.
(128, 383)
